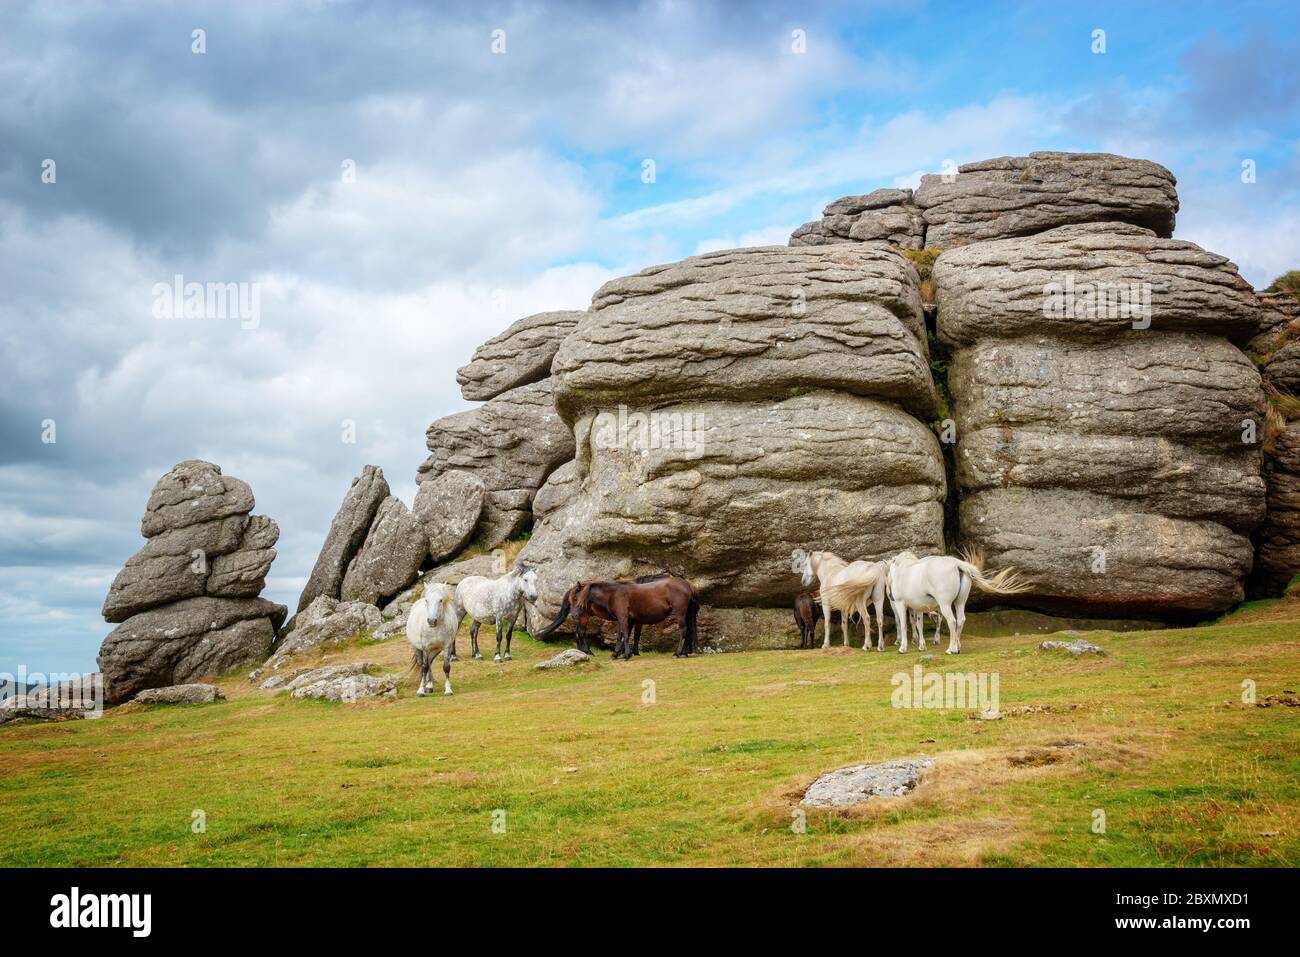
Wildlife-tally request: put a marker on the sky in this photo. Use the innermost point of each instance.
(399, 182)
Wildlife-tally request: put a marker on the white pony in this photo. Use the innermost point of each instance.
(430, 628)
(943, 583)
(831, 571)
(497, 600)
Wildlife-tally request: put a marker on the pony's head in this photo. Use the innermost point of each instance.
(580, 594)
(437, 602)
(527, 580)
(801, 565)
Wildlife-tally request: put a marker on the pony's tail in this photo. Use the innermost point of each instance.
(1006, 582)
(417, 661)
(563, 614)
(851, 589)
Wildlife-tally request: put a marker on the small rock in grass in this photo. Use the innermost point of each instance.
(567, 657)
(861, 782)
(181, 694)
(1077, 647)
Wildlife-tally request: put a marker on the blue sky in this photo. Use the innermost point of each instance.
(488, 187)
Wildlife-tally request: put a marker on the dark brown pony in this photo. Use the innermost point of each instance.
(647, 600)
(806, 613)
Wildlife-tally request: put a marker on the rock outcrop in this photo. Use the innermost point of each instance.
(201, 541)
(1108, 431)
(390, 557)
(186, 603)
(326, 621)
(511, 443)
(1277, 352)
(886, 215)
(1021, 195)
(347, 533)
(736, 405)
(519, 356)
(449, 507)
(186, 640)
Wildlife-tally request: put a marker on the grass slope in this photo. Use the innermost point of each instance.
(589, 774)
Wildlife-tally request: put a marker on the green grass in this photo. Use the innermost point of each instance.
(589, 773)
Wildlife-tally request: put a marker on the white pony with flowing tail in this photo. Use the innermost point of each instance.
(498, 600)
(831, 570)
(431, 628)
(854, 589)
(943, 583)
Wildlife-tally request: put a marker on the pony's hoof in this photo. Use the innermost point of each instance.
(477, 656)
(447, 693)
(952, 651)
(496, 659)
(508, 658)
(420, 693)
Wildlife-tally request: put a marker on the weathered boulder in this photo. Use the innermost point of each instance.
(1276, 349)
(242, 573)
(1112, 457)
(734, 406)
(751, 325)
(1020, 195)
(173, 564)
(201, 540)
(326, 621)
(519, 356)
(192, 492)
(511, 443)
(180, 694)
(346, 535)
(390, 558)
(449, 507)
(861, 782)
(886, 215)
(1077, 647)
(565, 659)
(1090, 282)
(334, 685)
(185, 640)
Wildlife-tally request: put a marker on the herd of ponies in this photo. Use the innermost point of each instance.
(936, 585)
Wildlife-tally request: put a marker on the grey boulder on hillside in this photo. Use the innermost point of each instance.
(186, 603)
(346, 534)
(519, 356)
(449, 507)
(389, 559)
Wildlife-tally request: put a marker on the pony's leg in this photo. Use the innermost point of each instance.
(420, 654)
(510, 632)
(880, 623)
(473, 637)
(826, 617)
(446, 673)
(900, 618)
(954, 643)
(498, 654)
(636, 640)
(918, 625)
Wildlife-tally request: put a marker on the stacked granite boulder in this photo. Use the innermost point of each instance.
(733, 406)
(1108, 428)
(1003, 197)
(187, 602)
(508, 446)
(1276, 350)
